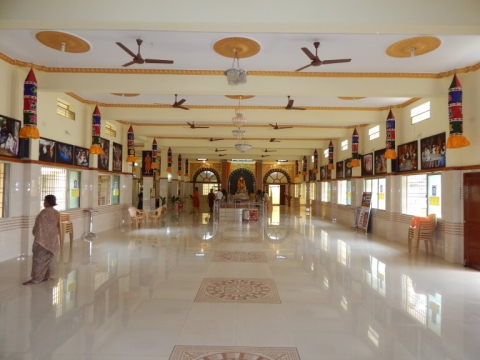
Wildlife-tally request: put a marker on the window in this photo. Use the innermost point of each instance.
(110, 129)
(420, 113)
(344, 145)
(422, 195)
(65, 110)
(313, 191)
(378, 189)
(206, 176)
(325, 153)
(326, 191)
(374, 132)
(4, 171)
(104, 190)
(277, 177)
(342, 192)
(206, 188)
(115, 189)
(53, 181)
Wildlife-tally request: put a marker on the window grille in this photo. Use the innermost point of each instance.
(420, 113)
(344, 145)
(276, 177)
(374, 132)
(325, 153)
(414, 195)
(378, 189)
(65, 110)
(326, 191)
(206, 188)
(110, 130)
(104, 190)
(53, 181)
(206, 176)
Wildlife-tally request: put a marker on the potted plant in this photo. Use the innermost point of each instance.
(163, 201)
(175, 201)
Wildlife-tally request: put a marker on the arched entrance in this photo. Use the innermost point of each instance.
(277, 182)
(205, 179)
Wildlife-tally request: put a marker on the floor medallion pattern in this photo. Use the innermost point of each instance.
(240, 239)
(226, 290)
(233, 353)
(239, 256)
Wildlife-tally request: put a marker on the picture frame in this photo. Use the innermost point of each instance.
(9, 140)
(64, 153)
(116, 157)
(339, 168)
(407, 156)
(348, 170)
(46, 150)
(380, 161)
(81, 156)
(104, 157)
(433, 151)
(367, 164)
(147, 160)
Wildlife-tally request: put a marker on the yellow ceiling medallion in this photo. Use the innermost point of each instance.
(240, 97)
(350, 98)
(125, 94)
(243, 47)
(63, 41)
(415, 46)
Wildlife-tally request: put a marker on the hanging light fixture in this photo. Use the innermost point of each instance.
(243, 146)
(238, 133)
(238, 120)
(236, 75)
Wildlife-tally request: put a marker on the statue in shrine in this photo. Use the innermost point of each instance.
(241, 186)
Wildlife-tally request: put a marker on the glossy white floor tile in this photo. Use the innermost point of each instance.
(137, 294)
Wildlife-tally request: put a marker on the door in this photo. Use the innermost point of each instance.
(274, 193)
(283, 194)
(471, 224)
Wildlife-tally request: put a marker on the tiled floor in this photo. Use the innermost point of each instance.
(294, 288)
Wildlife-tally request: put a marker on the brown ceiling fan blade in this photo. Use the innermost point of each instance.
(290, 104)
(284, 127)
(309, 54)
(304, 67)
(201, 127)
(126, 49)
(336, 61)
(129, 63)
(158, 61)
(179, 103)
(212, 139)
(296, 108)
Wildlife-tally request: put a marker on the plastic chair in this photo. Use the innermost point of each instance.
(137, 216)
(155, 215)
(425, 232)
(66, 227)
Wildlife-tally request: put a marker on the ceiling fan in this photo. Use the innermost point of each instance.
(273, 140)
(265, 155)
(276, 127)
(193, 126)
(138, 59)
(217, 150)
(266, 150)
(212, 139)
(222, 154)
(290, 105)
(316, 60)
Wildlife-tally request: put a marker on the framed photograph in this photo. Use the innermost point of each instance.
(380, 161)
(407, 155)
(147, 163)
(348, 168)
(46, 150)
(9, 141)
(81, 156)
(323, 172)
(433, 151)
(117, 157)
(339, 168)
(105, 156)
(367, 164)
(64, 153)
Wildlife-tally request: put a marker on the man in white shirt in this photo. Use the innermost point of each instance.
(219, 195)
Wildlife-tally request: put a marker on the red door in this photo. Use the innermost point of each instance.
(471, 226)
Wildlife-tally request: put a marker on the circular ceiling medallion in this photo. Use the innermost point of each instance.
(243, 46)
(350, 98)
(62, 41)
(415, 46)
(240, 97)
(125, 94)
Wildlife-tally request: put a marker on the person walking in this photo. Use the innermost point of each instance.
(196, 200)
(211, 200)
(266, 199)
(45, 242)
(219, 195)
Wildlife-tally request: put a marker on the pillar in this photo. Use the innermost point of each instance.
(259, 175)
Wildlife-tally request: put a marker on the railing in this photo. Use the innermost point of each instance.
(233, 211)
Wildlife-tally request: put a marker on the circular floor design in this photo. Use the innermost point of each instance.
(238, 289)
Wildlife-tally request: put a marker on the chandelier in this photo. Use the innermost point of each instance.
(243, 146)
(238, 120)
(238, 133)
(236, 75)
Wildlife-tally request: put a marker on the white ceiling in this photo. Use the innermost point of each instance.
(174, 35)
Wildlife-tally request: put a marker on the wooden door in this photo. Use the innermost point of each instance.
(283, 189)
(471, 224)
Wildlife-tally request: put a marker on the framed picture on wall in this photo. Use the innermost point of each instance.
(64, 153)
(433, 151)
(9, 141)
(147, 163)
(367, 164)
(380, 161)
(407, 155)
(81, 156)
(104, 157)
(46, 150)
(339, 168)
(117, 157)
(348, 168)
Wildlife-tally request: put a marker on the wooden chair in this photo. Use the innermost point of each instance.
(66, 227)
(155, 215)
(137, 216)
